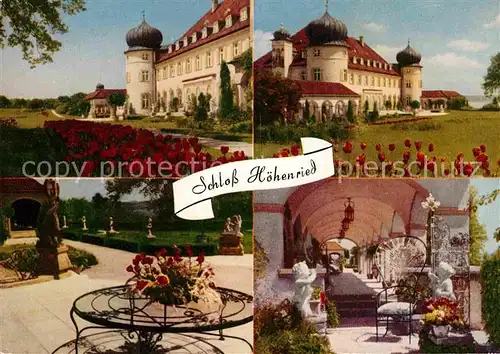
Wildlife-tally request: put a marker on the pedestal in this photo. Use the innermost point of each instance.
(453, 339)
(230, 244)
(53, 261)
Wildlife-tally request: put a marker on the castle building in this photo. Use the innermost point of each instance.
(332, 69)
(162, 78)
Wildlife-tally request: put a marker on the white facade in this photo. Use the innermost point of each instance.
(140, 80)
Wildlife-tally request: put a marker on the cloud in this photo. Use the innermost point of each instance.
(386, 52)
(493, 24)
(468, 46)
(262, 43)
(373, 27)
(453, 60)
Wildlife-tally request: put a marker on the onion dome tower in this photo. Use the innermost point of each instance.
(327, 54)
(143, 41)
(408, 56)
(411, 72)
(282, 51)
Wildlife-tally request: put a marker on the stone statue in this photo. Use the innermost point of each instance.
(49, 229)
(233, 225)
(65, 226)
(150, 227)
(441, 283)
(334, 263)
(111, 226)
(303, 277)
(84, 222)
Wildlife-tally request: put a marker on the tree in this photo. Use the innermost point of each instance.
(174, 104)
(32, 25)
(4, 102)
(491, 83)
(276, 98)
(202, 108)
(366, 108)
(35, 103)
(496, 234)
(478, 235)
(350, 112)
(116, 99)
(306, 113)
(226, 106)
(399, 106)
(415, 105)
(388, 104)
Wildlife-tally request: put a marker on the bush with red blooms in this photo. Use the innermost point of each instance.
(173, 280)
(134, 152)
(10, 122)
(442, 312)
(422, 164)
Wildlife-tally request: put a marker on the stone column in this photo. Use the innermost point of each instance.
(92, 110)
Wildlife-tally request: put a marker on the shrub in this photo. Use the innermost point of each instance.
(399, 106)
(491, 107)
(81, 258)
(350, 112)
(457, 103)
(62, 109)
(241, 127)
(281, 133)
(490, 288)
(9, 123)
(332, 316)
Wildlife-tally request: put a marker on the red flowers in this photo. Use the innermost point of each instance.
(381, 157)
(162, 280)
(408, 143)
(201, 258)
(392, 147)
(378, 147)
(295, 149)
(348, 147)
(431, 147)
(224, 149)
(363, 145)
(418, 145)
(323, 299)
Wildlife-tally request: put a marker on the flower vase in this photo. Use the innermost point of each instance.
(440, 331)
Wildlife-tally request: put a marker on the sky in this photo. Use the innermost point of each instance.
(92, 50)
(489, 215)
(456, 38)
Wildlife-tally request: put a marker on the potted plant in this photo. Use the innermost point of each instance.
(173, 280)
(330, 309)
(315, 300)
(440, 316)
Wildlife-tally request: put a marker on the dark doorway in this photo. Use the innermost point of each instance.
(25, 214)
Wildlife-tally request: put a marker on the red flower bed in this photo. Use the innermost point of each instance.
(100, 147)
(423, 165)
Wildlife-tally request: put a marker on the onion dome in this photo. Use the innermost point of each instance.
(408, 56)
(326, 30)
(144, 36)
(99, 87)
(282, 34)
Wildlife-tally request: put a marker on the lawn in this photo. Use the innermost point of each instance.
(35, 119)
(459, 131)
(171, 237)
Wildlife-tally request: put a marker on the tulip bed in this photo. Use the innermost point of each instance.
(412, 161)
(134, 152)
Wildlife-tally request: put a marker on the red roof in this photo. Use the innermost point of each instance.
(103, 93)
(440, 94)
(20, 185)
(319, 88)
(355, 49)
(227, 7)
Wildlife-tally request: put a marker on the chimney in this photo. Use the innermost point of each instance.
(362, 40)
(215, 3)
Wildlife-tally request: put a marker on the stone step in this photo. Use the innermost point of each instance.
(356, 312)
(19, 241)
(354, 304)
(23, 234)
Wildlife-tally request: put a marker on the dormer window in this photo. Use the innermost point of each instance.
(170, 48)
(177, 45)
(204, 32)
(194, 37)
(216, 26)
(354, 60)
(185, 42)
(244, 14)
(368, 62)
(145, 56)
(361, 61)
(229, 21)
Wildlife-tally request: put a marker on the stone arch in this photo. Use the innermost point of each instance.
(209, 90)
(178, 94)
(355, 107)
(26, 212)
(326, 111)
(340, 109)
(314, 110)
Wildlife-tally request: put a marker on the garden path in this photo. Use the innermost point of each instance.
(56, 114)
(216, 144)
(35, 318)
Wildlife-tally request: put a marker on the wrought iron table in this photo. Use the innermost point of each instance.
(146, 322)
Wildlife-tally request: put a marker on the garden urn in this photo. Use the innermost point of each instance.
(440, 331)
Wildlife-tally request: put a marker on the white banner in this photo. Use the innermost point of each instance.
(193, 194)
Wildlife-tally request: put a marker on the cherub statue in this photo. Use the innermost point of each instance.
(303, 277)
(233, 225)
(441, 283)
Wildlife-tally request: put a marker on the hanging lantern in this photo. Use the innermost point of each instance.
(349, 210)
(341, 234)
(345, 224)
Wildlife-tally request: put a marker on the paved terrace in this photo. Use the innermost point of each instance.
(35, 318)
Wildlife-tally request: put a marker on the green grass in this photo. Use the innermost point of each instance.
(35, 119)
(170, 238)
(459, 131)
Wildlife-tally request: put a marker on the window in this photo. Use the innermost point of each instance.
(179, 68)
(385, 82)
(244, 14)
(236, 48)
(145, 75)
(362, 62)
(359, 79)
(188, 66)
(157, 74)
(351, 81)
(378, 82)
(316, 53)
(145, 56)
(185, 41)
(128, 78)
(344, 75)
(373, 80)
(172, 71)
(368, 62)
(229, 21)
(145, 101)
(408, 84)
(198, 63)
(164, 73)
(304, 75)
(209, 59)
(317, 74)
(366, 80)
(304, 54)
(221, 55)
(408, 100)
(216, 26)
(204, 32)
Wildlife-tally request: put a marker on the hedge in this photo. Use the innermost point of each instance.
(490, 288)
(146, 246)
